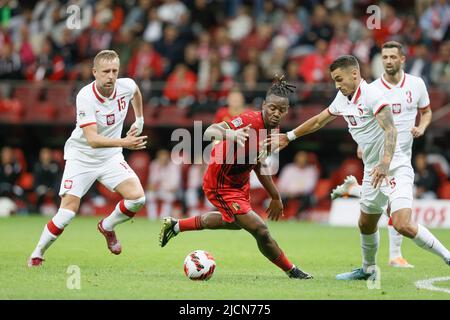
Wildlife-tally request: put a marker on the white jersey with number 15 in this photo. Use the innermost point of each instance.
(108, 113)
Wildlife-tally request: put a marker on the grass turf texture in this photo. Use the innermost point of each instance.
(146, 271)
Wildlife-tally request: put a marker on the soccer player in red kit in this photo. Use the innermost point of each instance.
(226, 181)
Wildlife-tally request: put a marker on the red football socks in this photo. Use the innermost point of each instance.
(283, 262)
(188, 224)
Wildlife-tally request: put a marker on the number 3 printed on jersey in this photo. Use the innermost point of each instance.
(408, 96)
(121, 103)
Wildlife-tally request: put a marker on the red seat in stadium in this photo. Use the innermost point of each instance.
(40, 112)
(139, 161)
(59, 94)
(28, 94)
(67, 115)
(11, 110)
(173, 115)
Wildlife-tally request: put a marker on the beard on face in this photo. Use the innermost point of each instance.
(393, 70)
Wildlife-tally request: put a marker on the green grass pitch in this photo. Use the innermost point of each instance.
(146, 271)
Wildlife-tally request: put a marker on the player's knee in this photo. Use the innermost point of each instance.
(262, 234)
(366, 227)
(136, 204)
(404, 228)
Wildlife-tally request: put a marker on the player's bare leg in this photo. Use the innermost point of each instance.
(254, 224)
(370, 238)
(133, 200)
(210, 220)
(421, 236)
(66, 212)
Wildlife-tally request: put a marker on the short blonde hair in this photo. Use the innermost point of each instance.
(105, 55)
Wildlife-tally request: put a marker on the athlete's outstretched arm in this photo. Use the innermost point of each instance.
(386, 121)
(221, 131)
(277, 142)
(425, 119)
(138, 125)
(96, 140)
(275, 209)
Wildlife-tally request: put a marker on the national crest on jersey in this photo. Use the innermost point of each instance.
(108, 113)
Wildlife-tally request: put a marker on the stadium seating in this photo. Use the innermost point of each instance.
(11, 111)
(39, 112)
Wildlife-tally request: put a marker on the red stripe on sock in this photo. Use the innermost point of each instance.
(124, 209)
(54, 229)
(188, 224)
(390, 221)
(283, 262)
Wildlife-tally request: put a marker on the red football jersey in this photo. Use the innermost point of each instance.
(230, 165)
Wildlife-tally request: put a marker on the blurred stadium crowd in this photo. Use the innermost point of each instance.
(188, 57)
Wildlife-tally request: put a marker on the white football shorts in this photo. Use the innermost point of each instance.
(78, 177)
(398, 193)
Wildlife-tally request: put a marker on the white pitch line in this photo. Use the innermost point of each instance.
(427, 284)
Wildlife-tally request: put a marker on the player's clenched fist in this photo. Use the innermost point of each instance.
(134, 143)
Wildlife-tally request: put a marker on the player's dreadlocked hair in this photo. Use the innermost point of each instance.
(280, 87)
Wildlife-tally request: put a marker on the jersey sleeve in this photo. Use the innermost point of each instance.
(85, 112)
(242, 120)
(375, 99)
(424, 99)
(333, 107)
(130, 84)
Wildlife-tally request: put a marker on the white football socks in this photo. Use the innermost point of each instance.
(124, 211)
(395, 243)
(369, 246)
(60, 220)
(426, 240)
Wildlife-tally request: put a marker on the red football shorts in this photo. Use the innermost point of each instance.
(229, 202)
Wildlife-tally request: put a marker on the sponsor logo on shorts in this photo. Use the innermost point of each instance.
(236, 206)
(110, 119)
(68, 184)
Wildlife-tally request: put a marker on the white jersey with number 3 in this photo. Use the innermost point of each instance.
(406, 97)
(359, 112)
(108, 113)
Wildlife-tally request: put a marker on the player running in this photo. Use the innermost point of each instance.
(388, 177)
(94, 152)
(226, 183)
(407, 95)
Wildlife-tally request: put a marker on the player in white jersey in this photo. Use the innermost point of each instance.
(94, 152)
(386, 166)
(407, 95)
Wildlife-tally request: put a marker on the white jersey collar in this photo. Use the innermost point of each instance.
(99, 96)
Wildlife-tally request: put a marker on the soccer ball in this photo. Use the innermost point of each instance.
(199, 265)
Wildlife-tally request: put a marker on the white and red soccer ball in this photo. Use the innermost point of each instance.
(199, 265)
